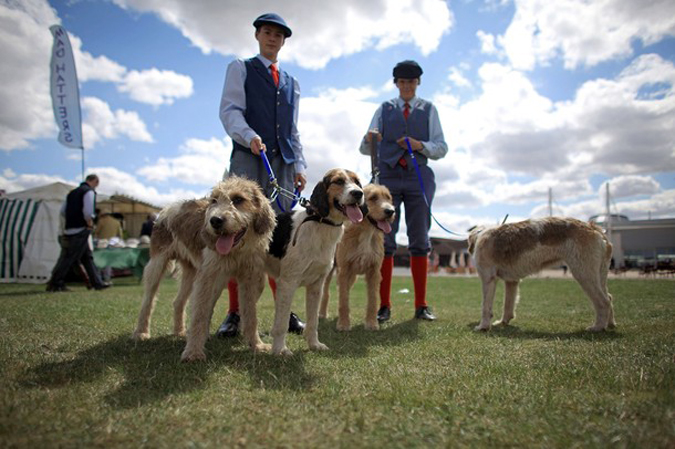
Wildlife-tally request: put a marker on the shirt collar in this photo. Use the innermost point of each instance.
(266, 62)
(400, 102)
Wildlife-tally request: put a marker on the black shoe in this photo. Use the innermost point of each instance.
(57, 288)
(102, 286)
(295, 324)
(383, 314)
(229, 327)
(423, 313)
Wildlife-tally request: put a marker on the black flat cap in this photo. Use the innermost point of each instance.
(407, 70)
(272, 19)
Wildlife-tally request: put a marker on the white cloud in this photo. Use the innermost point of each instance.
(26, 110)
(156, 87)
(101, 122)
(457, 77)
(115, 181)
(582, 32)
(321, 30)
(487, 43)
(203, 162)
(629, 186)
(26, 113)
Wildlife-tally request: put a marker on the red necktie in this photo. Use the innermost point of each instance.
(275, 74)
(406, 112)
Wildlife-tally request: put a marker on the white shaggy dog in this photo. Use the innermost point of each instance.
(516, 250)
(224, 235)
(303, 249)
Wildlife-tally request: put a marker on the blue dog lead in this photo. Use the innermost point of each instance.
(278, 190)
(424, 193)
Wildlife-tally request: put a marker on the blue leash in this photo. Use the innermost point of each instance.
(424, 193)
(278, 190)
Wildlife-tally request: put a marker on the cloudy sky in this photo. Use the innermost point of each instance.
(533, 95)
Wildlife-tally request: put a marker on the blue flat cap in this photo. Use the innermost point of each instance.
(407, 70)
(273, 19)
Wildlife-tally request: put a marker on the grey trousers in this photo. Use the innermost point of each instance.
(248, 165)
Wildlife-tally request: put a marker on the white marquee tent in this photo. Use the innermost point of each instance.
(29, 227)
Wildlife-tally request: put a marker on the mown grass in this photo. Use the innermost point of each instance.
(71, 377)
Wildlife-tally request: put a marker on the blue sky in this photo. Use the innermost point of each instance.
(532, 95)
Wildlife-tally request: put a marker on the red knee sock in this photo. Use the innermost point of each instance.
(233, 290)
(273, 286)
(385, 285)
(418, 267)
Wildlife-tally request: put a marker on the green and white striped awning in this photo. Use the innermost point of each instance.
(16, 222)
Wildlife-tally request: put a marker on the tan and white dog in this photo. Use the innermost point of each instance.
(224, 235)
(360, 252)
(303, 249)
(514, 251)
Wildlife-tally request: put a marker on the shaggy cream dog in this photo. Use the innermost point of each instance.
(360, 252)
(515, 250)
(303, 249)
(224, 235)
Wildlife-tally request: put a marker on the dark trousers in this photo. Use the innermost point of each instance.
(75, 249)
(405, 188)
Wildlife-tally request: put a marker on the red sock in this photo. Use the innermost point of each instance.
(385, 285)
(418, 267)
(233, 290)
(273, 286)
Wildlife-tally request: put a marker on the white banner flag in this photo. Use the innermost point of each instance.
(65, 91)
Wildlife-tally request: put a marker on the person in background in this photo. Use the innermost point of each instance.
(146, 227)
(259, 111)
(78, 211)
(407, 116)
(107, 227)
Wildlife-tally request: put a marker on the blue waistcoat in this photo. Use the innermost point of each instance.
(74, 205)
(269, 110)
(394, 126)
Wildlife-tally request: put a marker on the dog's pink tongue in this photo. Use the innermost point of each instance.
(354, 213)
(385, 226)
(224, 244)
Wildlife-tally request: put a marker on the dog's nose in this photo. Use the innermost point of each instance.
(357, 194)
(216, 222)
(389, 212)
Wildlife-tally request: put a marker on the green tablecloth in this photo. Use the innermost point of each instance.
(134, 259)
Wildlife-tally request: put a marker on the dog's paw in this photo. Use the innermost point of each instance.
(180, 333)
(371, 326)
(343, 327)
(595, 328)
(500, 323)
(262, 347)
(318, 346)
(284, 352)
(192, 356)
(140, 336)
(323, 316)
(482, 328)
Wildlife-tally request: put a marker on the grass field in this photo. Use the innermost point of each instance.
(71, 376)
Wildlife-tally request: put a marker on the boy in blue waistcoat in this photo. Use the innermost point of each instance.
(415, 118)
(259, 110)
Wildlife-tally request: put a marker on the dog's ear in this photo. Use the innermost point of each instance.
(264, 220)
(473, 236)
(319, 199)
(472, 243)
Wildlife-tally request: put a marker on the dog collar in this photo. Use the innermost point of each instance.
(318, 219)
(322, 220)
